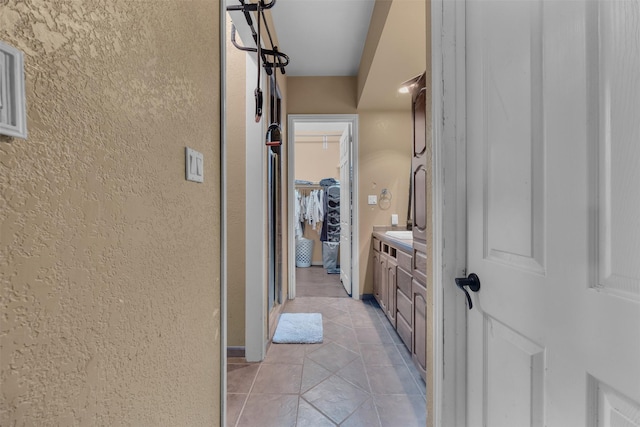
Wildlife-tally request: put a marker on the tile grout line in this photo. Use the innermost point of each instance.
(373, 401)
(248, 394)
(405, 363)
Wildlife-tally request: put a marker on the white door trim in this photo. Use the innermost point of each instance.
(449, 211)
(223, 214)
(319, 118)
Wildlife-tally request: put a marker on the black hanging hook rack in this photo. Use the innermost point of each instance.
(280, 60)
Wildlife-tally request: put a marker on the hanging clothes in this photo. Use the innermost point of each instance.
(299, 222)
(315, 208)
(309, 209)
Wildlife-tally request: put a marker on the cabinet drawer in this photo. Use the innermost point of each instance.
(403, 278)
(420, 266)
(404, 331)
(404, 260)
(403, 304)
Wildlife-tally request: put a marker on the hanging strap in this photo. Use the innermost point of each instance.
(258, 93)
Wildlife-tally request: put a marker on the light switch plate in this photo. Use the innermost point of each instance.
(194, 165)
(373, 199)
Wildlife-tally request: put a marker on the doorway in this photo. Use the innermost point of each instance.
(343, 130)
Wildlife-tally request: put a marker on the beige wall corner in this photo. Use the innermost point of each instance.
(109, 259)
(376, 26)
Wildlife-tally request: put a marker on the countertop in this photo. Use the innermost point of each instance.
(405, 245)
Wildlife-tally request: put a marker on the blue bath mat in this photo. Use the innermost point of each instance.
(299, 328)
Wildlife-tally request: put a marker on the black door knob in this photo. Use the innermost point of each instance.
(472, 282)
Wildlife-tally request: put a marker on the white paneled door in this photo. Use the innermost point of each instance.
(553, 199)
(345, 209)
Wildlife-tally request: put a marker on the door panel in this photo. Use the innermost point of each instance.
(513, 182)
(345, 211)
(512, 359)
(619, 101)
(553, 204)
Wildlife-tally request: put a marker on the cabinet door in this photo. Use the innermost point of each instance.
(391, 269)
(419, 350)
(403, 295)
(377, 276)
(384, 289)
(380, 279)
(421, 153)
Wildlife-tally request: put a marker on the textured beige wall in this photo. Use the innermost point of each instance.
(322, 95)
(314, 163)
(384, 153)
(109, 259)
(236, 186)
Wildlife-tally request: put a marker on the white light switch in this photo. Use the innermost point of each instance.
(194, 165)
(373, 199)
(394, 219)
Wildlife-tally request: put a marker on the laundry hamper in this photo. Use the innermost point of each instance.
(330, 254)
(304, 252)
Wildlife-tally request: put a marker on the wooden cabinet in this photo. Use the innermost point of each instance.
(404, 309)
(377, 276)
(399, 286)
(392, 287)
(391, 282)
(384, 279)
(419, 318)
(421, 177)
(419, 165)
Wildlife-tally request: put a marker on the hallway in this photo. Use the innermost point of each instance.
(361, 375)
(314, 281)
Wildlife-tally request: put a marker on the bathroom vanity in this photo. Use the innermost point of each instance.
(401, 297)
(400, 277)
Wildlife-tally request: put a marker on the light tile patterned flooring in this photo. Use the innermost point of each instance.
(361, 375)
(314, 281)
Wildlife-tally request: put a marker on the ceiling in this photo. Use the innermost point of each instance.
(322, 37)
(327, 38)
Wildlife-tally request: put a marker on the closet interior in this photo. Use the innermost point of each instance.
(317, 225)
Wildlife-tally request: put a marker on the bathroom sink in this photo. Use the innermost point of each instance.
(400, 234)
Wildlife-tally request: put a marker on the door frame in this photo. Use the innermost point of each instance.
(449, 314)
(292, 119)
